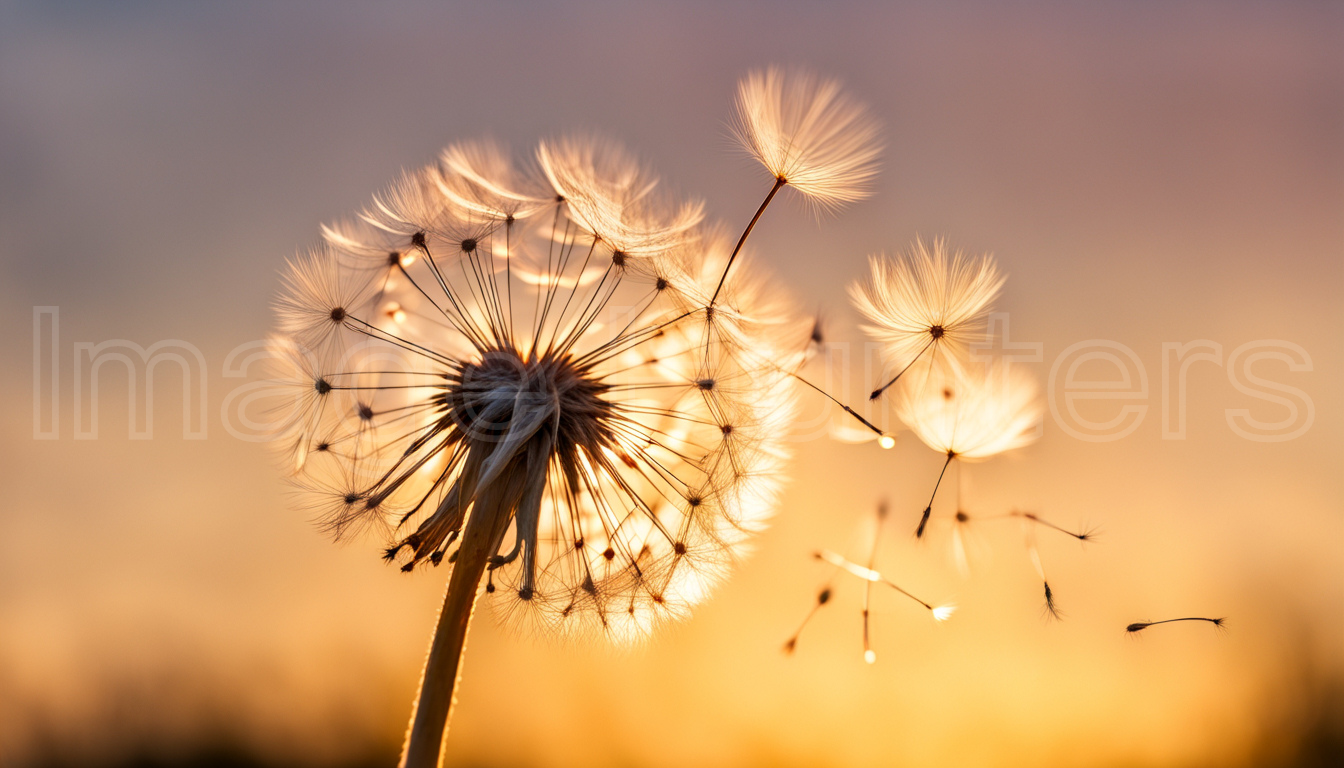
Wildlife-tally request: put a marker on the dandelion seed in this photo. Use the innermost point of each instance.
(926, 301)
(846, 433)
(1089, 534)
(1220, 623)
(808, 134)
(823, 597)
(545, 378)
(969, 414)
(870, 575)
(884, 440)
(1051, 608)
(1030, 523)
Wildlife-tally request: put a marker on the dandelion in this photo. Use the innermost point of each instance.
(926, 301)
(969, 414)
(1137, 627)
(546, 377)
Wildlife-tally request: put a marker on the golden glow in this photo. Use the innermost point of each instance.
(175, 578)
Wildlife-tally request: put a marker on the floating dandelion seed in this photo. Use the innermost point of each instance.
(1051, 610)
(1137, 627)
(546, 377)
(940, 613)
(926, 301)
(1088, 534)
(812, 137)
(823, 597)
(869, 576)
(969, 414)
(845, 433)
(1030, 522)
(808, 134)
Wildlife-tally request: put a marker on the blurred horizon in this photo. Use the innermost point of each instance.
(1146, 173)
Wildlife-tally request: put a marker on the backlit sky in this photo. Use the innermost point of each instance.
(1145, 173)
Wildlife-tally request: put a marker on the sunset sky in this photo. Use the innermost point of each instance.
(1146, 173)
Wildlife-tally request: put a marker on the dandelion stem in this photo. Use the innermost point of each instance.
(876, 393)
(779, 182)
(822, 598)
(894, 586)
(924, 519)
(799, 377)
(876, 430)
(433, 708)
(1084, 536)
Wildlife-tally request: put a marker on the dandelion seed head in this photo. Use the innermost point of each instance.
(613, 198)
(971, 413)
(526, 352)
(809, 134)
(943, 612)
(927, 297)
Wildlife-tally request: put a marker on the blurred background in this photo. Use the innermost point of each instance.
(1145, 172)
